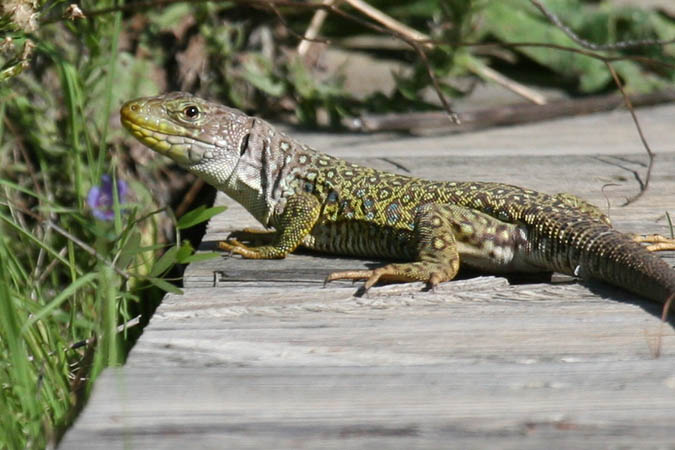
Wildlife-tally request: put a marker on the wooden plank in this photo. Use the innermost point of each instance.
(261, 355)
(405, 370)
(493, 405)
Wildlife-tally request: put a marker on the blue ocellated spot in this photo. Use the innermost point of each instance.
(332, 196)
(309, 187)
(360, 193)
(368, 203)
(392, 213)
(370, 215)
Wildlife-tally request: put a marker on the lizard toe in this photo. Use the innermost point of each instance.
(658, 243)
(354, 275)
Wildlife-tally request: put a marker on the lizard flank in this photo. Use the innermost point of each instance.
(323, 203)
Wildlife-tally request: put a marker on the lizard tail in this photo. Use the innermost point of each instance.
(615, 258)
(591, 249)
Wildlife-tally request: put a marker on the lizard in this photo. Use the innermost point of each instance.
(323, 203)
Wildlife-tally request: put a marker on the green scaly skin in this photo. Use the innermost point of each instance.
(330, 205)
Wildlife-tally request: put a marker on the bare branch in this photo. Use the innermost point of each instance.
(622, 45)
(313, 29)
(530, 94)
(390, 23)
(645, 144)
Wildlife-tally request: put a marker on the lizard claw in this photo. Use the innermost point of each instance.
(233, 246)
(254, 236)
(226, 247)
(657, 242)
(371, 277)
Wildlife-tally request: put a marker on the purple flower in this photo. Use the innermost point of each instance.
(100, 198)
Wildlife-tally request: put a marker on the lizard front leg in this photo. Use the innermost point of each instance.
(297, 220)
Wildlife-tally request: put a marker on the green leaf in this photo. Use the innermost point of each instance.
(258, 71)
(197, 257)
(130, 250)
(185, 251)
(407, 87)
(165, 285)
(170, 16)
(509, 21)
(167, 260)
(201, 214)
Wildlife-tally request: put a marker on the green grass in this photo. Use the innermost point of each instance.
(67, 279)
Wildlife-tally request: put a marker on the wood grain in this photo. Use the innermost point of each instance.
(258, 354)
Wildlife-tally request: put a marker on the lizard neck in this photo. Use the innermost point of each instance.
(267, 171)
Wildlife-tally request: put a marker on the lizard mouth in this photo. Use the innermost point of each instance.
(152, 127)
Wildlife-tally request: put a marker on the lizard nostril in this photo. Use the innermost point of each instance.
(134, 107)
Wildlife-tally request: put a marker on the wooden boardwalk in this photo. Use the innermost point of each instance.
(257, 354)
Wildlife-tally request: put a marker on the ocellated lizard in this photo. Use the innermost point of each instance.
(334, 206)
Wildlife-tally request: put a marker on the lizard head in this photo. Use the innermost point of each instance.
(203, 137)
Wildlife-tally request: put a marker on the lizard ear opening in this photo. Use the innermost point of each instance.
(243, 145)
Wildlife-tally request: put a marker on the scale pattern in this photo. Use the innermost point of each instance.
(331, 205)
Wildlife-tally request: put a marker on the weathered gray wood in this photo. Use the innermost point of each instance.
(258, 354)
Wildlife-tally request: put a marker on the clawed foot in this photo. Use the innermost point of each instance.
(371, 277)
(257, 244)
(254, 236)
(657, 242)
(233, 246)
(386, 273)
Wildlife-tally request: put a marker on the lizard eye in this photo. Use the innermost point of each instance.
(191, 112)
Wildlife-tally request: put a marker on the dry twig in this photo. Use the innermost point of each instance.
(621, 45)
(645, 144)
(313, 30)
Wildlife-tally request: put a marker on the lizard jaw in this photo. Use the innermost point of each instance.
(164, 135)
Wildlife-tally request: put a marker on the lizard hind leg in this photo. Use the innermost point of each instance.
(437, 254)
